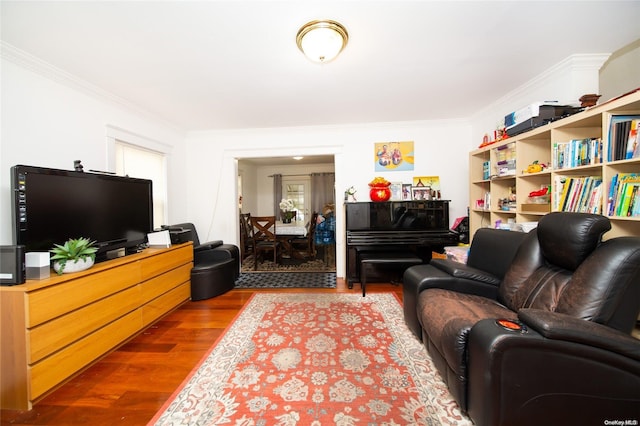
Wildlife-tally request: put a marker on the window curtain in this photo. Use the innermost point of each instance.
(322, 190)
(277, 195)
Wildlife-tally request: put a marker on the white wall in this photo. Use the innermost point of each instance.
(567, 81)
(50, 120)
(259, 191)
(441, 148)
(621, 72)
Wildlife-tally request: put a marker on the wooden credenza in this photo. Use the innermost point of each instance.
(52, 329)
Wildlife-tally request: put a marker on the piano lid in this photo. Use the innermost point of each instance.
(398, 215)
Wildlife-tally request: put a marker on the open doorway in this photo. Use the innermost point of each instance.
(256, 188)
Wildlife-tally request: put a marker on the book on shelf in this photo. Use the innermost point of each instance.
(623, 137)
(576, 152)
(623, 195)
(632, 139)
(580, 194)
(486, 170)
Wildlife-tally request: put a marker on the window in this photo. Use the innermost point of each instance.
(144, 163)
(298, 191)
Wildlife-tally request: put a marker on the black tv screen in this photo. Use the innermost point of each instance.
(50, 206)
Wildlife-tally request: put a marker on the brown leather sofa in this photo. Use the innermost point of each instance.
(565, 354)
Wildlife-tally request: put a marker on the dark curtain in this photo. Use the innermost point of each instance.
(277, 195)
(322, 190)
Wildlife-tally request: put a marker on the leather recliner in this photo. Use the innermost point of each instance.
(216, 266)
(565, 354)
(218, 245)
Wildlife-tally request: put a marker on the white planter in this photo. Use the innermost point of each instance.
(74, 266)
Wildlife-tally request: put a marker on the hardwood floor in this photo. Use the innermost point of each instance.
(129, 385)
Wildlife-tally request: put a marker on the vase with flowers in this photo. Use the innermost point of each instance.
(288, 210)
(379, 189)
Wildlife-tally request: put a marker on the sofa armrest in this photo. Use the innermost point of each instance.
(563, 327)
(461, 270)
(210, 256)
(523, 378)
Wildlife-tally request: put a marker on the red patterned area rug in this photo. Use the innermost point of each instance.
(315, 359)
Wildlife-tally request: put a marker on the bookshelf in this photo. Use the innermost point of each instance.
(589, 155)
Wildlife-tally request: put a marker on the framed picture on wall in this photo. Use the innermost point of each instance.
(396, 191)
(393, 156)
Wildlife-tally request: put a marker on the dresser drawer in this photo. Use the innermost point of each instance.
(51, 302)
(64, 330)
(56, 368)
(156, 265)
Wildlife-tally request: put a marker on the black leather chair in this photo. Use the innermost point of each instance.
(545, 340)
(232, 250)
(216, 265)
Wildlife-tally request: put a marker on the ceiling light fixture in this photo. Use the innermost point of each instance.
(298, 158)
(321, 41)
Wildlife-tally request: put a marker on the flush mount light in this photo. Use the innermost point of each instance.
(322, 41)
(298, 158)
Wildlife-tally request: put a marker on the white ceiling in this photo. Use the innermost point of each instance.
(234, 64)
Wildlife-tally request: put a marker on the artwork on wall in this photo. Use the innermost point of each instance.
(393, 156)
(432, 182)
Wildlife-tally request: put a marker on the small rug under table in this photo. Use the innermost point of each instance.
(314, 359)
(286, 280)
(288, 265)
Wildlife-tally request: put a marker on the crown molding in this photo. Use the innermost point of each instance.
(578, 62)
(44, 69)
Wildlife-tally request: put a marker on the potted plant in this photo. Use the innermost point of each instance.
(74, 256)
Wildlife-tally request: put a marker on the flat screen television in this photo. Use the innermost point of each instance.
(49, 206)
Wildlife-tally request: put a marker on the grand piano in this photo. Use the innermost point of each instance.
(417, 226)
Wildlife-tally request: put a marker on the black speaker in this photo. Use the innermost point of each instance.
(12, 266)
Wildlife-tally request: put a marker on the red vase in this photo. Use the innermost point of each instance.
(380, 193)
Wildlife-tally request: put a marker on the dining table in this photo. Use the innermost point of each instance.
(293, 229)
(286, 231)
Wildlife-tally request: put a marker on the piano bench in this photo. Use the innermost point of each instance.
(369, 261)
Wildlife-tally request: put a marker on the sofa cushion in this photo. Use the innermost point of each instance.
(605, 289)
(448, 316)
(546, 260)
(567, 243)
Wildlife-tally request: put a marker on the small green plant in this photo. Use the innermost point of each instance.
(73, 250)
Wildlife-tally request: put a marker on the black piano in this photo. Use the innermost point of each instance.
(417, 226)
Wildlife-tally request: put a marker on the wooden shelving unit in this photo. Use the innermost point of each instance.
(537, 145)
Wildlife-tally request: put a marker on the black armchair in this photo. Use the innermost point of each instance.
(216, 265)
(563, 352)
(197, 245)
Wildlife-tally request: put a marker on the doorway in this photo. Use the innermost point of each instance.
(256, 186)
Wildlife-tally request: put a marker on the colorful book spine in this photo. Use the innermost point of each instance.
(623, 193)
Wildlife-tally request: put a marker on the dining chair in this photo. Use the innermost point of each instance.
(306, 246)
(246, 241)
(263, 234)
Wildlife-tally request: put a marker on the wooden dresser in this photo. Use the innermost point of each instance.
(52, 329)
